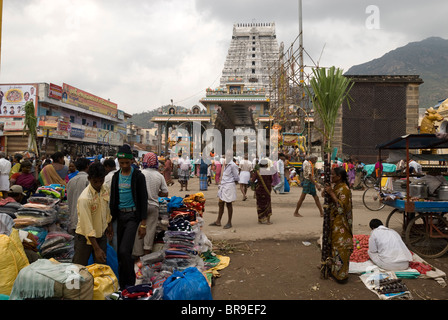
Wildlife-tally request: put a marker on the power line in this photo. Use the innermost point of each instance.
(194, 95)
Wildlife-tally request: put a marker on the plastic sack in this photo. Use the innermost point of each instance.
(189, 284)
(12, 260)
(111, 259)
(104, 281)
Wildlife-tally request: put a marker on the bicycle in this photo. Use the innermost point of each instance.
(368, 180)
(372, 197)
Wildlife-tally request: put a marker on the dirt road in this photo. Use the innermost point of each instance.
(281, 261)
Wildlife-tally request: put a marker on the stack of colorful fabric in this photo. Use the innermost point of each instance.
(58, 245)
(33, 214)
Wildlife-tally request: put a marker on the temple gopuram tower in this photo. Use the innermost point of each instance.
(242, 99)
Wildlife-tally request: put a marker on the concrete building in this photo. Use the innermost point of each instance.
(69, 120)
(383, 107)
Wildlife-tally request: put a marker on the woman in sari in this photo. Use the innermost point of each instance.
(261, 177)
(351, 173)
(341, 220)
(25, 179)
(55, 172)
(167, 170)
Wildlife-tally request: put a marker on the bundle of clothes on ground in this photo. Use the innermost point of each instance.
(181, 266)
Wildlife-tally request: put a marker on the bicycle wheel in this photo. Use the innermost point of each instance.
(369, 181)
(427, 235)
(395, 221)
(372, 199)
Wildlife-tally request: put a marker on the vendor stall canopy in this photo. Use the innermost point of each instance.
(416, 141)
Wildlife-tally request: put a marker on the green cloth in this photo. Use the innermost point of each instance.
(37, 279)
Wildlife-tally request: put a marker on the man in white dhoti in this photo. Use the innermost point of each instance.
(5, 168)
(245, 169)
(227, 190)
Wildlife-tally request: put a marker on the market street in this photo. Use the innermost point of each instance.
(285, 225)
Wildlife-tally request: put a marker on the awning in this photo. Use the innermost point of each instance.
(416, 141)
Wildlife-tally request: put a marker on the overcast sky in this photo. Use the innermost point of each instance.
(141, 54)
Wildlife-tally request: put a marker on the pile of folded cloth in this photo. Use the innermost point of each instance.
(59, 245)
(53, 190)
(195, 201)
(180, 245)
(9, 206)
(35, 214)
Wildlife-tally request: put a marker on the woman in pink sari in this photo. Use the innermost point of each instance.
(218, 167)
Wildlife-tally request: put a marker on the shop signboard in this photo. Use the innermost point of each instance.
(55, 92)
(63, 125)
(83, 99)
(57, 134)
(110, 137)
(12, 124)
(48, 122)
(115, 139)
(76, 131)
(90, 135)
(13, 98)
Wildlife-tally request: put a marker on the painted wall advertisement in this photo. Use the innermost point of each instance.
(13, 98)
(82, 99)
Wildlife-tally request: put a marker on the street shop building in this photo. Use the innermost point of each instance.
(69, 119)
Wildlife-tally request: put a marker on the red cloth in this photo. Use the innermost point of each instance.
(420, 267)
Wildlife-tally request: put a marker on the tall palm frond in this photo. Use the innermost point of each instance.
(328, 90)
(30, 126)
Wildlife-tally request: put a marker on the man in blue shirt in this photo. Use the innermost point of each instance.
(128, 205)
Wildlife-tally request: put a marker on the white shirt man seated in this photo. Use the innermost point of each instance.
(386, 248)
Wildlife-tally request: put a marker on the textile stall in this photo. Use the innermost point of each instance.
(181, 266)
(41, 226)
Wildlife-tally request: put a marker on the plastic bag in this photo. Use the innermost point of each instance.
(189, 284)
(104, 280)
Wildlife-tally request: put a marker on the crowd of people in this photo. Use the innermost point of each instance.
(115, 200)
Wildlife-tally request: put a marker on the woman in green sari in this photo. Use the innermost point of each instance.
(341, 220)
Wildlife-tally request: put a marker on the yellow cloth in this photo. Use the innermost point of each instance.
(12, 260)
(93, 212)
(214, 272)
(223, 263)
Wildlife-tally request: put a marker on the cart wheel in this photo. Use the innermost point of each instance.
(427, 235)
(394, 221)
(372, 199)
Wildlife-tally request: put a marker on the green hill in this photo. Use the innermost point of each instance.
(143, 119)
(427, 58)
